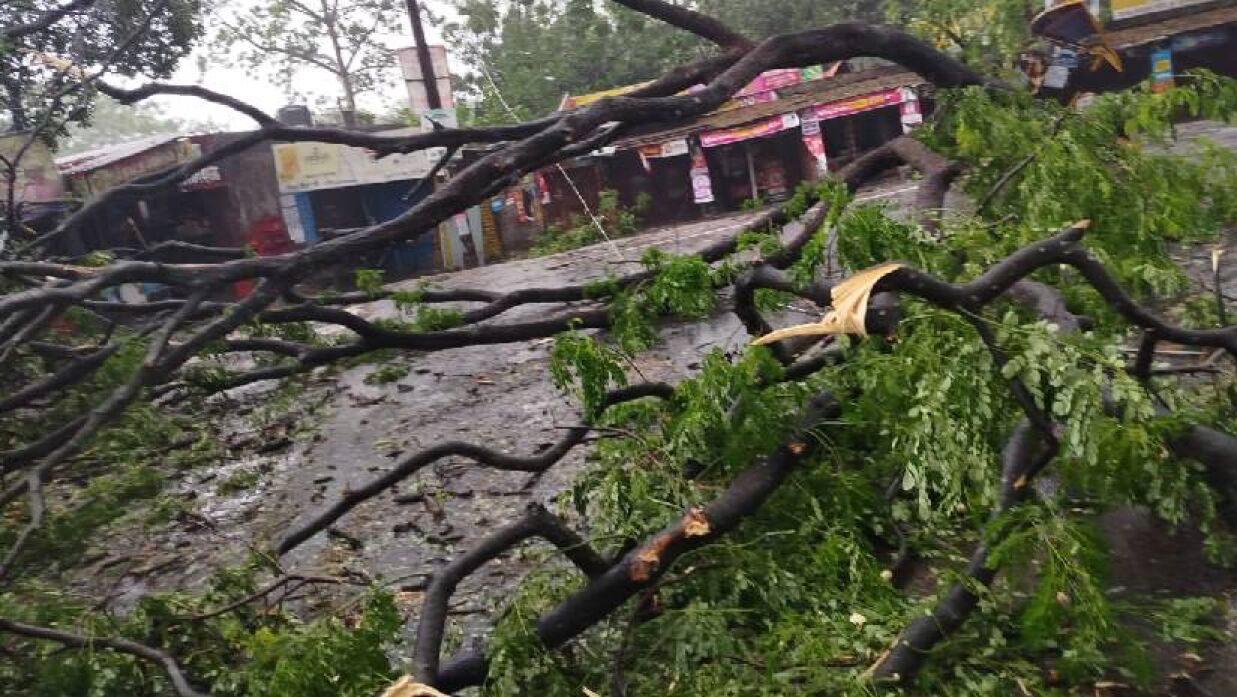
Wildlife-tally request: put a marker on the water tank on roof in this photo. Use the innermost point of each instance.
(295, 115)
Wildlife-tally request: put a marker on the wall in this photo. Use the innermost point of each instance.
(250, 180)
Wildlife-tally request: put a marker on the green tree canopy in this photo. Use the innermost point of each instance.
(112, 122)
(535, 51)
(125, 37)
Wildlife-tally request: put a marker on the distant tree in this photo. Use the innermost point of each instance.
(770, 17)
(278, 38)
(127, 37)
(987, 33)
(111, 122)
(515, 47)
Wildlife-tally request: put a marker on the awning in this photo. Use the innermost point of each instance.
(98, 170)
(856, 105)
(759, 129)
(756, 92)
(794, 99)
(1157, 31)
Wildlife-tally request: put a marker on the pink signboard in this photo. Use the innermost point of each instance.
(772, 80)
(758, 129)
(855, 105)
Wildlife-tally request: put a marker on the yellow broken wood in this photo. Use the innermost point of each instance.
(850, 306)
(405, 687)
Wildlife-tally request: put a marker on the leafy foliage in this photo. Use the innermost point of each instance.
(797, 600)
(108, 34)
(611, 220)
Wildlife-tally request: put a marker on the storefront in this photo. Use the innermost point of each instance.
(761, 161)
(327, 190)
(196, 211)
(786, 128)
(1145, 40)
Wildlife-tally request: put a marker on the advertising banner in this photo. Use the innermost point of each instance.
(702, 184)
(1161, 70)
(1125, 9)
(313, 166)
(856, 105)
(814, 141)
(909, 109)
(758, 129)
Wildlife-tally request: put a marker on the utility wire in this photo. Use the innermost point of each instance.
(587, 209)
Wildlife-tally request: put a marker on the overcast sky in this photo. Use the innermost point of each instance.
(269, 97)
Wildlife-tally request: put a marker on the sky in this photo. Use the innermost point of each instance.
(236, 82)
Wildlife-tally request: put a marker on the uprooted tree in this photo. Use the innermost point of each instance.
(749, 530)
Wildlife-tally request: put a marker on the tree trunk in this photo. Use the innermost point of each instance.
(341, 68)
(17, 111)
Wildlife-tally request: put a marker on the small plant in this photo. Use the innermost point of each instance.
(612, 220)
(754, 203)
(387, 374)
(370, 281)
(238, 482)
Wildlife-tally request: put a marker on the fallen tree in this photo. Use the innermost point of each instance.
(786, 478)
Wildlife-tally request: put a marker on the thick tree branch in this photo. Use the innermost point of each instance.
(644, 565)
(536, 522)
(689, 20)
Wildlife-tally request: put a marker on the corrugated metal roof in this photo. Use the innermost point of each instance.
(1149, 33)
(91, 160)
(794, 98)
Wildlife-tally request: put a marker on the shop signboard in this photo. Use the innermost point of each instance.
(702, 184)
(313, 166)
(814, 141)
(1161, 70)
(37, 178)
(855, 105)
(670, 148)
(1127, 9)
(758, 129)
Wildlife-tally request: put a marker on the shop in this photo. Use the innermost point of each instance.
(788, 127)
(761, 161)
(327, 190)
(1145, 40)
(204, 209)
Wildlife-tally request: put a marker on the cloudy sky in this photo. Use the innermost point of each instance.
(269, 97)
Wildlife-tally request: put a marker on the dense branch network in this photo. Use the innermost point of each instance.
(41, 290)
